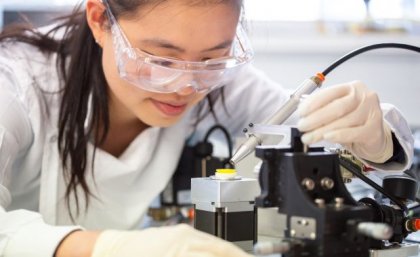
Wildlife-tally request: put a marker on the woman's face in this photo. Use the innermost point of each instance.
(171, 29)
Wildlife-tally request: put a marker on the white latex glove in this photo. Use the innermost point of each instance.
(348, 114)
(176, 241)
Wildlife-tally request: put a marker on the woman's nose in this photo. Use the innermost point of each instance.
(187, 90)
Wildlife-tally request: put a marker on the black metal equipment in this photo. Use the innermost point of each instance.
(323, 219)
(225, 208)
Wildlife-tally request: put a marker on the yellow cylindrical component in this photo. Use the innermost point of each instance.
(225, 173)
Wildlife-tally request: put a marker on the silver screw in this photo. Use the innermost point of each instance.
(327, 183)
(308, 183)
(312, 236)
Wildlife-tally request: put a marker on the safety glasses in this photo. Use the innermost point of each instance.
(167, 75)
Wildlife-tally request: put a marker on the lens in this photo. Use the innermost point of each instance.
(185, 80)
(158, 75)
(146, 76)
(208, 80)
(165, 75)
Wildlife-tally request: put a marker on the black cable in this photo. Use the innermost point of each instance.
(227, 136)
(351, 167)
(368, 48)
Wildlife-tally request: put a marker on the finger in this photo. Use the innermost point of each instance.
(321, 98)
(345, 135)
(353, 119)
(356, 134)
(330, 112)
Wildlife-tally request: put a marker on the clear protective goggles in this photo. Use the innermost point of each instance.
(167, 75)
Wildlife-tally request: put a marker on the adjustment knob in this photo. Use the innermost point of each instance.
(400, 186)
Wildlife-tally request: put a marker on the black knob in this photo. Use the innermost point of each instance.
(400, 186)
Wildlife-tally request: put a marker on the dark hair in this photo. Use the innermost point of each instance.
(79, 67)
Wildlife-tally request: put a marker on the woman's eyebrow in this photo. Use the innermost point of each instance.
(157, 42)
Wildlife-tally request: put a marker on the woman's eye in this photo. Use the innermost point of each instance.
(165, 63)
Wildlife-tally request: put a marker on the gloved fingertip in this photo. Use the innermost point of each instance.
(302, 125)
(307, 138)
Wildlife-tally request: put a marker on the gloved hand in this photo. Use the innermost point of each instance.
(176, 241)
(348, 114)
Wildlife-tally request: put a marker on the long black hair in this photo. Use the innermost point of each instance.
(83, 86)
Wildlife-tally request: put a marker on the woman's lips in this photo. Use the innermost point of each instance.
(170, 109)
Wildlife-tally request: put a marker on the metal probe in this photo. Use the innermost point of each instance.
(307, 87)
(268, 248)
(380, 231)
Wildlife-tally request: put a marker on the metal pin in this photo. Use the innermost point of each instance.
(339, 202)
(379, 231)
(320, 202)
(305, 148)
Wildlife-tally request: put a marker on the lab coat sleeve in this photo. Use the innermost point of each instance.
(22, 233)
(402, 132)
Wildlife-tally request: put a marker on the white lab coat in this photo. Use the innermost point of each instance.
(32, 185)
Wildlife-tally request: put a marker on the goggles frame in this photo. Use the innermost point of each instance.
(215, 71)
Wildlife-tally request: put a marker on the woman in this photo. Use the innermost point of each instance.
(95, 112)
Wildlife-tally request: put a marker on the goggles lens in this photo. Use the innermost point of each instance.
(166, 75)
